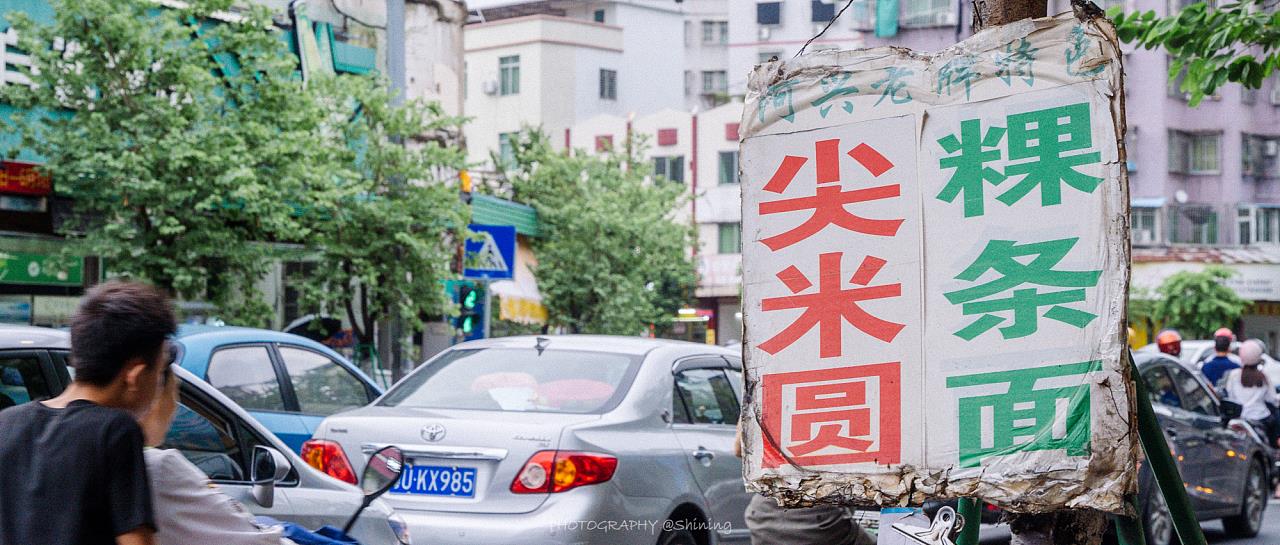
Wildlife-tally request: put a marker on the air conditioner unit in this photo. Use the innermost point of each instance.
(1271, 148)
(763, 33)
(490, 87)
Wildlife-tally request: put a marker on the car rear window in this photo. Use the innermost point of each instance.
(518, 380)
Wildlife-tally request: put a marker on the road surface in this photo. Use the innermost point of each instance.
(1270, 535)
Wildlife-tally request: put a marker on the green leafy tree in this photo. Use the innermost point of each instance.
(1198, 303)
(383, 224)
(1237, 42)
(178, 136)
(614, 259)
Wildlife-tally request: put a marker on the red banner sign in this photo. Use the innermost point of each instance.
(24, 179)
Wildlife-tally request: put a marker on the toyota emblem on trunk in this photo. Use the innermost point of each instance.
(433, 432)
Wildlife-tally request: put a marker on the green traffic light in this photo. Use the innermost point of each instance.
(466, 325)
(469, 300)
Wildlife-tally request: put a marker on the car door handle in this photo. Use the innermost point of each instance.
(703, 454)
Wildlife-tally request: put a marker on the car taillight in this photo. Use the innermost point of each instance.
(557, 471)
(328, 457)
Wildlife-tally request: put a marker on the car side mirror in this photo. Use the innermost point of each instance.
(269, 466)
(1230, 410)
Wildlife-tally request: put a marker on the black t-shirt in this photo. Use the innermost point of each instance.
(71, 476)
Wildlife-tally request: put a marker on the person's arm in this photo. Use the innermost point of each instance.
(188, 507)
(141, 536)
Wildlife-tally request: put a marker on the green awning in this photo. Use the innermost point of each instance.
(488, 210)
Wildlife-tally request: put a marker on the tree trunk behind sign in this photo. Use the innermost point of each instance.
(1076, 527)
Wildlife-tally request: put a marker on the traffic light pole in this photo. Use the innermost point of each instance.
(488, 307)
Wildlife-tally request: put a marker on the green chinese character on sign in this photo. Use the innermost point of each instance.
(1079, 46)
(1024, 418)
(834, 87)
(957, 71)
(1009, 259)
(778, 97)
(1038, 135)
(1016, 62)
(970, 164)
(892, 83)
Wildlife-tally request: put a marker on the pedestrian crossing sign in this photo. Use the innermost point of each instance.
(490, 252)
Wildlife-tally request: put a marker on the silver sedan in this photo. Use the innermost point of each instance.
(561, 439)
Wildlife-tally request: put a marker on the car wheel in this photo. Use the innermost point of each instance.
(1157, 521)
(1254, 503)
(677, 537)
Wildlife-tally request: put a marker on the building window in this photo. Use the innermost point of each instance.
(295, 274)
(509, 75)
(1131, 149)
(1259, 225)
(822, 11)
(507, 149)
(863, 12)
(1193, 224)
(669, 167)
(769, 13)
(928, 13)
(766, 56)
(715, 32)
(1268, 226)
(715, 81)
(1144, 228)
(731, 131)
(1275, 91)
(608, 84)
(1193, 153)
(728, 167)
(604, 142)
(688, 82)
(730, 238)
(598, 16)
(1260, 156)
(1248, 95)
(1244, 224)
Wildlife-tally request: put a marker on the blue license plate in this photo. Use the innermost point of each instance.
(459, 482)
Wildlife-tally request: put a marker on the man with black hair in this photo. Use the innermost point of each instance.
(72, 466)
(1222, 360)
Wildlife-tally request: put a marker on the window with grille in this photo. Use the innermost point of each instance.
(1260, 156)
(928, 13)
(507, 149)
(730, 238)
(509, 75)
(1194, 153)
(1144, 228)
(608, 84)
(728, 167)
(862, 12)
(1259, 224)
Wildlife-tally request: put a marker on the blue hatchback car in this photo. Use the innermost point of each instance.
(289, 383)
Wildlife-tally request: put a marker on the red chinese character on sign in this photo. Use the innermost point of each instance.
(831, 305)
(828, 203)
(832, 416)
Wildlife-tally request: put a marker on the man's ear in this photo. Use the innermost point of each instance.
(134, 369)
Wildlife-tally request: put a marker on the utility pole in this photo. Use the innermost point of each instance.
(396, 73)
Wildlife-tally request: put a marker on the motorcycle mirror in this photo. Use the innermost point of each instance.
(380, 474)
(383, 470)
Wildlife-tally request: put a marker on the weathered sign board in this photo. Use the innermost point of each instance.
(935, 262)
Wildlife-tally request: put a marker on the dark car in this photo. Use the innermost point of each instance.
(1223, 462)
